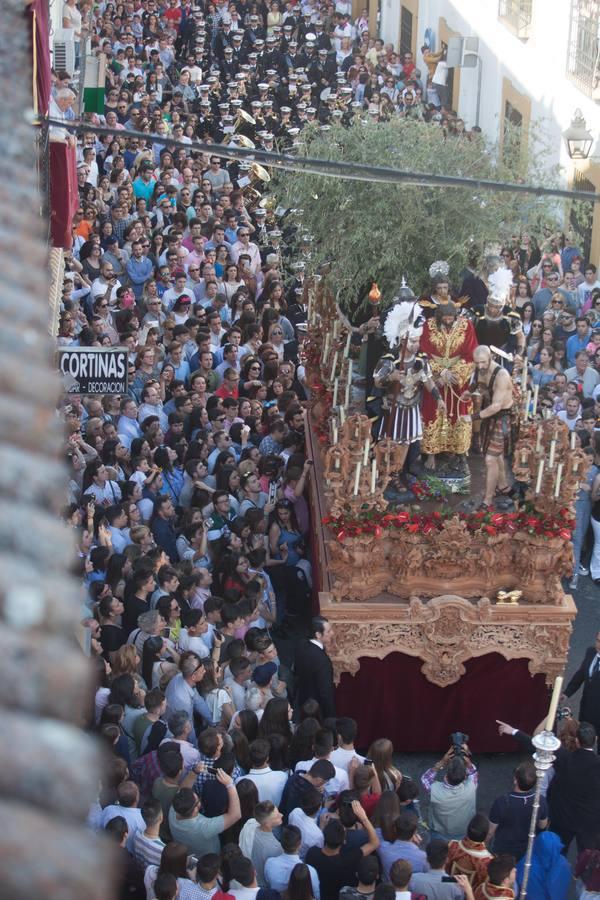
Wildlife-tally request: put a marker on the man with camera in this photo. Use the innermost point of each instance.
(453, 799)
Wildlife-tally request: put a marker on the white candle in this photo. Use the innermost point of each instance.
(538, 442)
(342, 415)
(536, 391)
(524, 375)
(366, 452)
(337, 462)
(336, 328)
(540, 472)
(575, 466)
(336, 385)
(357, 479)
(335, 434)
(527, 403)
(348, 342)
(326, 348)
(554, 703)
(552, 454)
(334, 365)
(559, 470)
(349, 371)
(373, 475)
(573, 439)
(347, 394)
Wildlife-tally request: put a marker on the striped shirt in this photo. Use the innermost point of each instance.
(147, 851)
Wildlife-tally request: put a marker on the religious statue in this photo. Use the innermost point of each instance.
(449, 341)
(402, 381)
(440, 289)
(499, 418)
(498, 326)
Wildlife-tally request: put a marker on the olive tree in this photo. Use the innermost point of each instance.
(381, 232)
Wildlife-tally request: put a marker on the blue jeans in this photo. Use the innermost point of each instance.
(583, 510)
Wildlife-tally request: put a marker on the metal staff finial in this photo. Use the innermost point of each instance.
(546, 743)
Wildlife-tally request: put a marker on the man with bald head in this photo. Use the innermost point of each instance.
(499, 422)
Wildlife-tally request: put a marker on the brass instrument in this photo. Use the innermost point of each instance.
(259, 173)
(244, 116)
(245, 142)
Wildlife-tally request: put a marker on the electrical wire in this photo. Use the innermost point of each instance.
(330, 168)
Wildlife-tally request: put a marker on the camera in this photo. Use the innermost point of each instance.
(457, 739)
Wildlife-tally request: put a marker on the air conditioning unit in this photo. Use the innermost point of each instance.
(63, 55)
(463, 52)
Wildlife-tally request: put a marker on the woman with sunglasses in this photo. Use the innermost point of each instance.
(534, 341)
(250, 376)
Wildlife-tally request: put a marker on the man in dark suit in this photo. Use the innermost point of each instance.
(574, 792)
(588, 675)
(313, 669)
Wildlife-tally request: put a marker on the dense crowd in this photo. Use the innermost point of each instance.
(228, 773)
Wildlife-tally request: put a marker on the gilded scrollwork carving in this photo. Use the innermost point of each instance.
(448, 631)
(404, 564)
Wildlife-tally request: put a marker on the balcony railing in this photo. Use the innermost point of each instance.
(517, 15)
(582, 62)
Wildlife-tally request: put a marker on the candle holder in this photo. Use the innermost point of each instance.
(357, 471)
(545, 460)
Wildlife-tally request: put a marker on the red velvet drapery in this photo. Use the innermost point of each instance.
(64, 197)
(392, 698)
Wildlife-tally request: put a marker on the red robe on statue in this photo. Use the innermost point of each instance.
(448, 348)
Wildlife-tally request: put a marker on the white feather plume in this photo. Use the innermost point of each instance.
(439, 267)
(401, 320)
(500, 283)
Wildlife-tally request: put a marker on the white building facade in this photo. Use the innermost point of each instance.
(537, 63)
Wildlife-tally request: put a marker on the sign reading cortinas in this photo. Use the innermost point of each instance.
(93, 370)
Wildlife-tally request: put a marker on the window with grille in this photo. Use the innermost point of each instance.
(406, 30)
(516, 14)
(582, 61)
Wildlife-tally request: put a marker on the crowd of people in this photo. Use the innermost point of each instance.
(228, 773)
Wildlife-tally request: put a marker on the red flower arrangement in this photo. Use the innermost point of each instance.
(483, 521)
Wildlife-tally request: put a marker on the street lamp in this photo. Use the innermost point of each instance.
(577, 138)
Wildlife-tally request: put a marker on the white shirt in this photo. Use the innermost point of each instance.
(245, 893)
(108, 495)
(128, 429)
(341, 758)
(252, 251)
(440, 76)
(191, 756)
(595, 662)
(312, 836)
(196, 644)
(269, 784)
(73, 16)
(146, 409)
(132, 816)
(100, 287)
(338, 783)
(170, 296)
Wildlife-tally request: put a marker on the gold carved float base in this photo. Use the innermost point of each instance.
(446, 631)
(452, 560)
